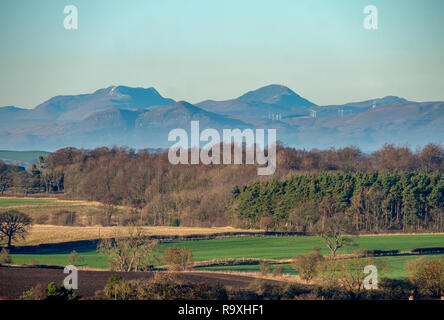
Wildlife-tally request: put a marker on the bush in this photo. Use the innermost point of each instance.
(161, 287)
(395, 289)
(265, 267)
(279, 270)
(427, 276)
(178, 258)
(74, 258)
(116, 288)
(262, 289)
(348, 274)
(36, 293)
(308, 265)
(51, 292)
(5, 257)
(64, 218)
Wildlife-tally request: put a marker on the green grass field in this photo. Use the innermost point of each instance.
(258, 247)
(396, 266)
(9, 202)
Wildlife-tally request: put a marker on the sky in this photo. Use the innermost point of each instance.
(204, 49)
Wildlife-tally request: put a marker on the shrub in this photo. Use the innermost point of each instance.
(308, 265)
(64, 218)
(427, 276)
(279, 270)
(5, 257)
(178, 258)
(54, 292)
(265, 267)
(51, 292)
(348, 274)
(117, 288)
(74, 258)
(262, 289)
(36, 293)
(161, 287)
(395, 289)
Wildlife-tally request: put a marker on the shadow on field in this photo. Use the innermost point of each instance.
(57, 248)
(88, 245)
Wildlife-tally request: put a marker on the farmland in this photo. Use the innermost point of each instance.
(26, 202)
(51, 245)
(279, 248)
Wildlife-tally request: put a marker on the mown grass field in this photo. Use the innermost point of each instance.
(259, 247)
(38, 208)
(41, 204)
(9, 202)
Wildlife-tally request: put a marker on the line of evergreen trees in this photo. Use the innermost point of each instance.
(374, 202)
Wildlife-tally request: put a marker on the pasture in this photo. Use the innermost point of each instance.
(24, 202)
(255, 247)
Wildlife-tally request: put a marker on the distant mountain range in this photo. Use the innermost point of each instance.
(21, 158)
(142, 118)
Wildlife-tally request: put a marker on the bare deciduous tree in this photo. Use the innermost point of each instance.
(130, 251)
(14, 224)
(336, 232)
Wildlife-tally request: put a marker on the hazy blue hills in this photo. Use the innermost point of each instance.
(142, 118)
(78, 107)
(21, 158)
(411, 123)
(272, 99)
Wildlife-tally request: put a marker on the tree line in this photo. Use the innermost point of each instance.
(369, 202)
(201, 195)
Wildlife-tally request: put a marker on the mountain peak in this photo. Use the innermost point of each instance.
(275, 94)
(69, 108)
(267, 93)
(125, 90)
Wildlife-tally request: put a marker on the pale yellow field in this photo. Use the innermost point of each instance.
(52, 234)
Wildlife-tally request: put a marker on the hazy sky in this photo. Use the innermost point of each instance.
(198, 49)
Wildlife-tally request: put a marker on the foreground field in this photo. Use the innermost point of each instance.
(254, 247)
(13, 281)
(396, 266)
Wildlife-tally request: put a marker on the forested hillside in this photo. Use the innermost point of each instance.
(394, 188)
(373, 202)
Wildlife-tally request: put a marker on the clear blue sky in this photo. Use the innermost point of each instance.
(198, 49)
